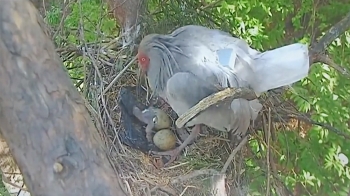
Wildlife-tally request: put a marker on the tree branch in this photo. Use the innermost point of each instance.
(332, 34)
(320, 124)
(322, 58)
(317, 51)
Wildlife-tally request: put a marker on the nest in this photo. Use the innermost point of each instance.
(142, 173)
(204, 164)
(199, 168)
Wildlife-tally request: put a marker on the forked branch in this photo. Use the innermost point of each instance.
(317, 50)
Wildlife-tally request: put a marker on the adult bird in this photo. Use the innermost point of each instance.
(194, 62)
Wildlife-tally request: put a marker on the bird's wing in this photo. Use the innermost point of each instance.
(184, 90)
(202, 75)
(217, 40)
(268, 70)
(217, 50)
(260, 71)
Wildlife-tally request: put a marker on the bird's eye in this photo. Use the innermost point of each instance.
(144, 61)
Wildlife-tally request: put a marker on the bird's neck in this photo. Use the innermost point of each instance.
(158, 78)
(164, 57)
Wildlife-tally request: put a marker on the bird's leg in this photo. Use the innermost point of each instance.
(235, 139)
(183, 134)
(175, 152)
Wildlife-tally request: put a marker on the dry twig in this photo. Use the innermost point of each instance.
(268, 153)
(119, 75)
(233, 153)
(194, 174)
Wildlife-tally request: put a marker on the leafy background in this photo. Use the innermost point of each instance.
(306, 161)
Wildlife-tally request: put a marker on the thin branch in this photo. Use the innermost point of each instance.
(119, 75)
(323, 125)
(8, 181)
(65, 14)
(268, 154)
(322, 58)
(307, 119)
(212, 4)
(233, 153)
(183, 178)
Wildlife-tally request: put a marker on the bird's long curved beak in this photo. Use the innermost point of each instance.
(142, 72)
(140, 79)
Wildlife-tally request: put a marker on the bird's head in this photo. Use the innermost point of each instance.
(146, 55)
(156, 58)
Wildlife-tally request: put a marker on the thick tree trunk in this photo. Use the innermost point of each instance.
(128, 15)
(43, 118)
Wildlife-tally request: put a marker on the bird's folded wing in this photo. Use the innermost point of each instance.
(184, 90)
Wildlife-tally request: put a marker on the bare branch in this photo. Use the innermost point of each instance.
(212, 4)
(332, 34)
(322, 58)
(317, 50)
(285, 114)
(323, 125)
(233, 153)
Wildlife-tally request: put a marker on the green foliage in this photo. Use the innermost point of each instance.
(324, 94)
(86, 24)
(3, 190)
(312, 160)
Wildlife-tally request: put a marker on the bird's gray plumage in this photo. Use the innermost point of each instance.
(193, 62)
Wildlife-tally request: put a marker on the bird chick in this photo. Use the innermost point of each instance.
(156, 119)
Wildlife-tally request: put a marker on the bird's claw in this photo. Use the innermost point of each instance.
(172, 153)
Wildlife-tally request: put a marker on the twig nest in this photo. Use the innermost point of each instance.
(161, 120)
(165, 139)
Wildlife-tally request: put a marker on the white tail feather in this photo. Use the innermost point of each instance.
(280, 67)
